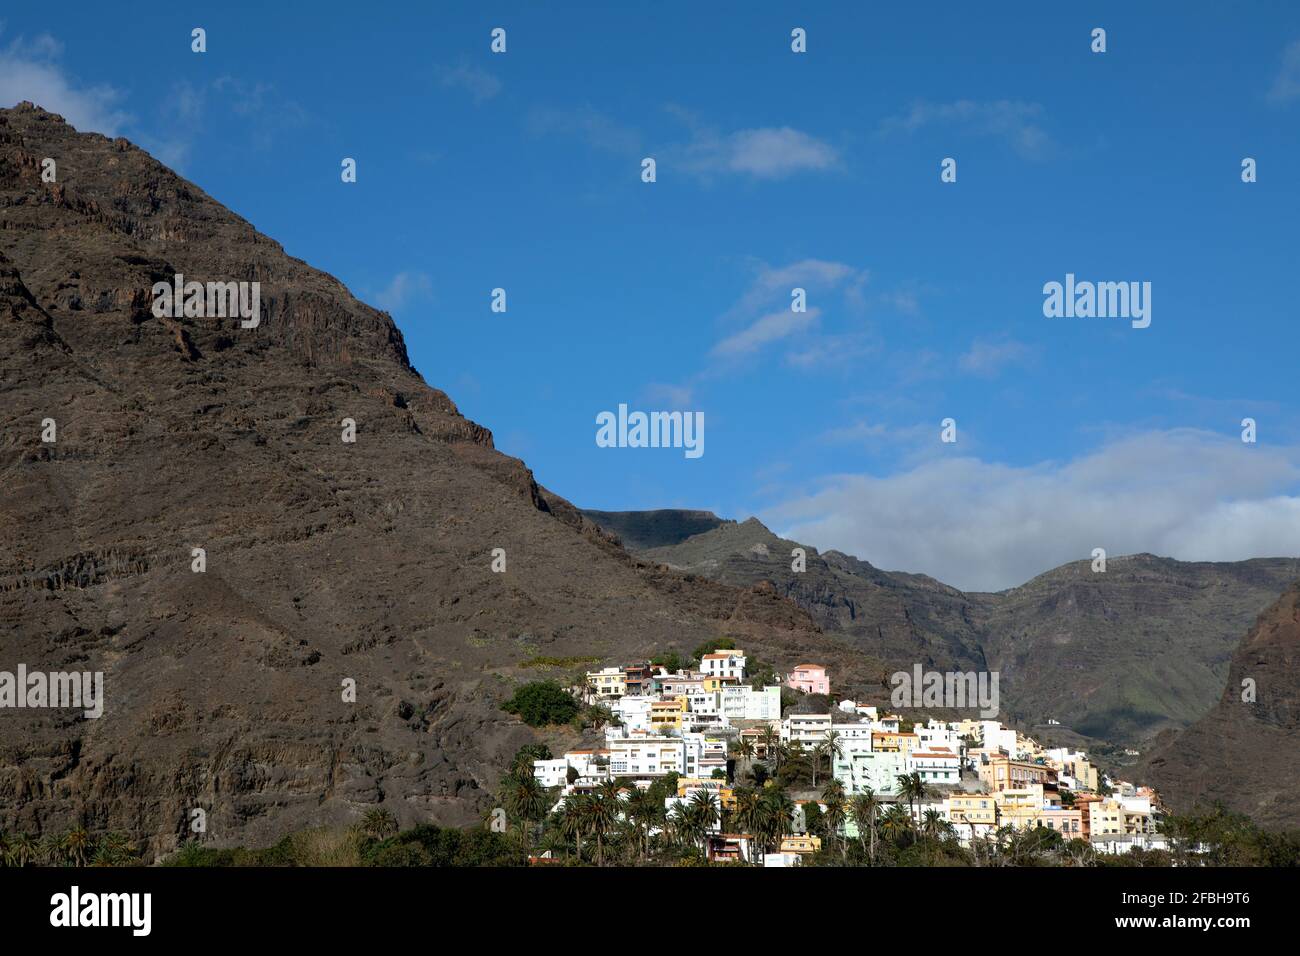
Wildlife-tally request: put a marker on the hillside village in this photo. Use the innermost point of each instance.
(710, 739)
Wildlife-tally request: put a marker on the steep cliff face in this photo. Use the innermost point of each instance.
(1245, 753)
(1117, 656)
(326, 561)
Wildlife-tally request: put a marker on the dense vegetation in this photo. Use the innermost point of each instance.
(542, 702)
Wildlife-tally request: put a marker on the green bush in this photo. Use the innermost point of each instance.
(539, 703)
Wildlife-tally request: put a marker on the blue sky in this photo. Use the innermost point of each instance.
(820, 170)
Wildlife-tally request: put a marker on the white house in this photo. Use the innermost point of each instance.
(647, 756)
(724, 664)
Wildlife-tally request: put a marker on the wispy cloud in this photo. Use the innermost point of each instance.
(762, 153)
(768, 328)
(403, 290)
(983, 525)
(1015, 122)
(595, 128)
(188, 111)
(1286, 85)
(988, 359)
(765, 317)
(476, 81)
(30, 70)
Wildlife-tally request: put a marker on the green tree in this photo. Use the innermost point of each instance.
(539, 703)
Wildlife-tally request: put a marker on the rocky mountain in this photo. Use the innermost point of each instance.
(1115, 656)
(1245, 752)
(326, 561)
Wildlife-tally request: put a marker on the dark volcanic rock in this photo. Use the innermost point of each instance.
(1245, 754)
(641, 530)
(325, 560)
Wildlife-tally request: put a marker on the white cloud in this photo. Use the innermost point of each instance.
(979, 525)
(477, 82)
(29, 70)
(671, 397)
(1286, 85)
(1013, 121)
(762, 153)
(406, 287)
(768, 328)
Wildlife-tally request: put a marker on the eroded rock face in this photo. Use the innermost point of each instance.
(324, 561)
(1245, 753)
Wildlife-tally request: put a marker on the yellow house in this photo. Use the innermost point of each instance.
(1105, 816)
(801, 844)
(609, 683)
(711, 685)
(667, 714)
(1019, 808)
(726, 796)
(894, 742)
(980, 809)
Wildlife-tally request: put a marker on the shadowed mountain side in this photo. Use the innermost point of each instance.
(326, 561)
(642, 530)
(1244, 754)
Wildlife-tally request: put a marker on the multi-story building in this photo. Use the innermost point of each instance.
(666, 715)
(894, 742)
(971, 814)
(860, 769)
(999, 772)
(1105, 818)
(938, 766)
(607, 684)
(742, 702)
(728, 665)
(634, 712)
(639, 678)
(806, 730)
(1067, 822)
(647, 756)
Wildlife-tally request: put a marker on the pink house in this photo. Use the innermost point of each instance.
(809, 678)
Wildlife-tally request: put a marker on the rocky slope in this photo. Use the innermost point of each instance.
(1244, 753)
(1117, 656)
(326, 560)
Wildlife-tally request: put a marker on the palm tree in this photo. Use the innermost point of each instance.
(932, 824)
(378, 824)
(912, 788)
(834, 815)
(114, 850)
(21, 850)
(526, 799)
(700, 815)
(748, 811)
(895, 822)
(744, 749)
(830, 748)
(573, 819)
(864, 807)
(775, 815)
(771, 743)
(603, 813)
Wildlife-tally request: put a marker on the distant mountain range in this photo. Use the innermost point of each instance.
(1117, 656)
